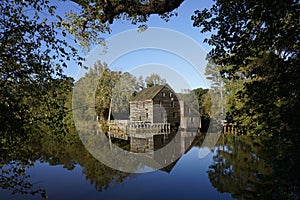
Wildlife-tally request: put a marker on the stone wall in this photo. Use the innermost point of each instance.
(139, 145)
(141, 111)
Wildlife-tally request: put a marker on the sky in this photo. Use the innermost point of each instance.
(173, 49)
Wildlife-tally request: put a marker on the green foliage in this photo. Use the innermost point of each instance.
(94, 17)
(203, 102)
(215, 100)
(52, 139)
(256, 46)
(104, 90)
(46, 115)
(32, 58)
(125, 88)
(113, 91)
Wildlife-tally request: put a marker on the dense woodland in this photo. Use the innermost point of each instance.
(254, 57)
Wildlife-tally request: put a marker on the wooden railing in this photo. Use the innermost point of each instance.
(123, 127)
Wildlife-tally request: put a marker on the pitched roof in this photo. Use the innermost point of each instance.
(148, 93)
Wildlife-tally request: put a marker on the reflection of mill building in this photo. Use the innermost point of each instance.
(158, 104)
(189, 116)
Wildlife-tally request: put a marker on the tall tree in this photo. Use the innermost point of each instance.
(257, 45)
(125, 88)
(154, 79)
(104, 92)
(114, 90)
(217, 92)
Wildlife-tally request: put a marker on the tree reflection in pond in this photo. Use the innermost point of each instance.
(66, 150)
(241, 166)
(249, 170)
(14, 178)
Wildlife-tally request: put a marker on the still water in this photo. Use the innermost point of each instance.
(236, 167)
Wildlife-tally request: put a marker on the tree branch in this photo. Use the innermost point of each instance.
(106, 11)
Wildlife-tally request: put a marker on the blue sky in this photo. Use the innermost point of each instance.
(175, 67)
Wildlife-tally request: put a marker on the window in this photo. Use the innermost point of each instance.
(163, 94)
(174, 115)
(159, 102)
(170, 94)
(172, 104)
(147, 115)
(143, 105)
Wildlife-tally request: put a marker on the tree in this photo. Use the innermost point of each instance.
(217, 92)
(104, 91)
(124, 89)
(34, 48)
(154, 79)
(31, 58)
(49, 116)
(256, 44)
(201, 94)
(114, 90)
(95, 17)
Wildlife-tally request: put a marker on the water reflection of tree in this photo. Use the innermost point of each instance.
(13, 177)
(250, 170)
(61, 150)
(72, 152)
(51, 138)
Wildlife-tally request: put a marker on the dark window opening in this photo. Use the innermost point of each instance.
(172, 104)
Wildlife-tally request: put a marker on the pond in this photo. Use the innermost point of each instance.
(236, 167)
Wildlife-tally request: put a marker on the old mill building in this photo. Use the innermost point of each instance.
(160, 104)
